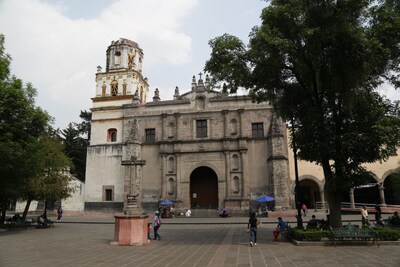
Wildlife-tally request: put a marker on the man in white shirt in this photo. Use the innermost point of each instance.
(188, 213)
(364, 216)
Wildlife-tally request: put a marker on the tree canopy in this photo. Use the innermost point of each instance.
(75, 140)
(21, 123)
(27, 154)
(320, 63)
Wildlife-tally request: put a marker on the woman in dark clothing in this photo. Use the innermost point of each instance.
(252, 225)
(378, 215)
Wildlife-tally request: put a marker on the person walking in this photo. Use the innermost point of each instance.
(252, 225)
(378, 215)
(304, 208)
(156, 225)
(59, 214)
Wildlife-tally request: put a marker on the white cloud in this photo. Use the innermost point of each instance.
(59, 55)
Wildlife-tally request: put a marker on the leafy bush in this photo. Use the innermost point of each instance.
(386, 234)
(309, 234)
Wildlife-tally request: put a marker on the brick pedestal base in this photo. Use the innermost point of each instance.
(130, 230)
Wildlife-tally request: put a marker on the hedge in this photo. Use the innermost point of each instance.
(384, 234)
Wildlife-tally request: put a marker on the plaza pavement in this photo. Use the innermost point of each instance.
(85, 241)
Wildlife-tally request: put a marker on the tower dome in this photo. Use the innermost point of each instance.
(123, 74)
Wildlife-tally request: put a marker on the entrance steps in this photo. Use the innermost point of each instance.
(205, 213)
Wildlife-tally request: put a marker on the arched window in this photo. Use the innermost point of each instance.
(171, 186)
(112, 135)
(235, 162)
(114, 88)
(233, 127)
(117, 58)
(171, 130)
(171, 164)
(235, 184)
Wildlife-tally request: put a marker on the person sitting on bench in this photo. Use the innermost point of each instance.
(395, 219)
(312, 223)
(281, 227)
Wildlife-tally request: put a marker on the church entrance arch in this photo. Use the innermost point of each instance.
(203, 188)
(392, 193)
(309, 193)
(366, 193)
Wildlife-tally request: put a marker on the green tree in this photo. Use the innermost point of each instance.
(85, 126)
(21, 125)
(76, 140)
(320, 62)
(52, 182)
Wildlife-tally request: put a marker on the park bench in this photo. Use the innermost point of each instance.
(392, 224)
(285, 234)
(321, 225)
(353, 233)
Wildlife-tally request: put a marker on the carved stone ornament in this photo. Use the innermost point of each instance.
(134, 134)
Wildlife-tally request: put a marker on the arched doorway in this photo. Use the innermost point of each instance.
(365, 193)
(392, 189)
(309, 193)
(204, 188)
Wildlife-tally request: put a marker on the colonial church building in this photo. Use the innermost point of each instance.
(202, 149)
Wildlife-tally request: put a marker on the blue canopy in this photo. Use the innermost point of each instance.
(265, 199)
(167, 202)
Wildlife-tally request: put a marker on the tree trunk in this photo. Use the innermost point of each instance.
(334, 196)
(45, 210)
(3, 203)
(28, 203)
(335, 208)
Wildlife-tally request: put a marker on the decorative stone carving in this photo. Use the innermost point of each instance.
(243, 144)
(226, 145)
(131, 58)
(133, 128)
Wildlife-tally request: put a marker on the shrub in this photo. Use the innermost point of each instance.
(309, 234)
(386, 234)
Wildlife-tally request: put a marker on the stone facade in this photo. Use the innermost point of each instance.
(202, 149)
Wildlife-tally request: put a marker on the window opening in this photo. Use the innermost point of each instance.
(201, 128)
(257, 129)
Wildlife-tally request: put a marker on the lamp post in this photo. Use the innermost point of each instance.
(296, 174)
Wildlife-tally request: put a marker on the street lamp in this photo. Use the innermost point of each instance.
(296, 174)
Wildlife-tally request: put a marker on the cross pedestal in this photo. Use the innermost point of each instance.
(130, 230)
(131, 227)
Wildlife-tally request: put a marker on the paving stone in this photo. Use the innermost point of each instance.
(77, 242)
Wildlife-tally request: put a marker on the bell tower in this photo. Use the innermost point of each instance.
(123, 77)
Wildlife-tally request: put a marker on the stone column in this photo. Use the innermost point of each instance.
(177, 115)
(352, 202)
(278, 164)
(225, 114)
(134, 170)
(164, 166)
(245, 178)
(227, 178)
(131, 228)
(322, 194)
(163, 126)
(241, 111)
(382, 194)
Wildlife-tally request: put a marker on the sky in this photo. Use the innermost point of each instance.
(57, 44)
